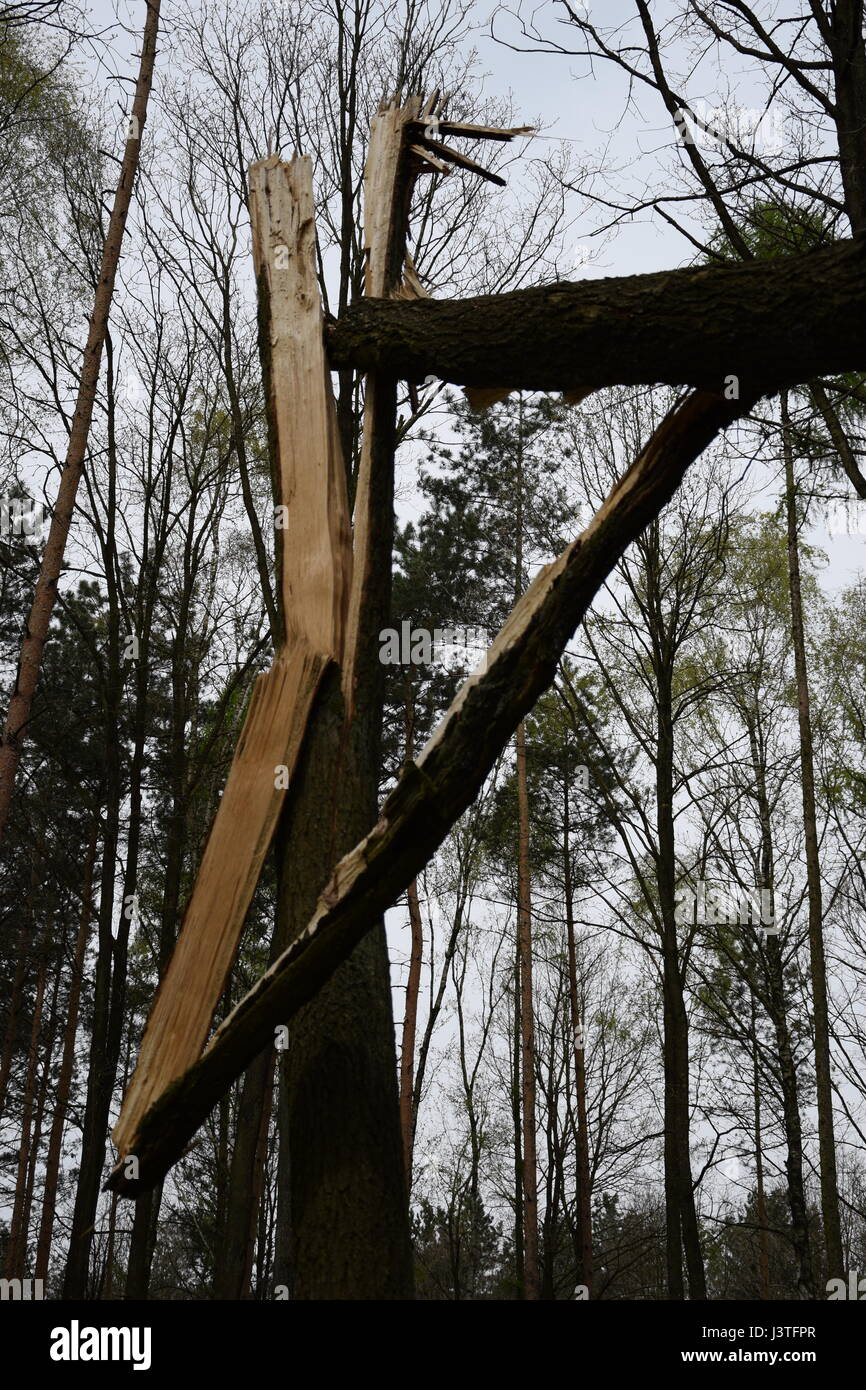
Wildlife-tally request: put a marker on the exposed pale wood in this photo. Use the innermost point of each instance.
(315, 577)
(484, 132)
(430, 158)
(462, 161)
(436, 789)
(411, 287)
(387, 191)
(181, 1015)
(314, 550)
(315, 561)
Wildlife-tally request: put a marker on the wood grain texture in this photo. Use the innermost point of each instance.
(315, 564)
(186, 1000)
(314, 548)
(387, 193)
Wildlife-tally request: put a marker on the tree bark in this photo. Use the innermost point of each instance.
(760, 1195)
(410, 1020)
(699, 327)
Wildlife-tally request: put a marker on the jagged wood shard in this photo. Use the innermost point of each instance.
(315, 567)
(387, 194)
(314, 548)
(182, 1012)
(462, 161)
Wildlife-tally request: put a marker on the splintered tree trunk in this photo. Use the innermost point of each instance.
(36, 631)
(349, 1215)
(531, 1283)
(823, 1077)
(584, 1205)
(432, 794)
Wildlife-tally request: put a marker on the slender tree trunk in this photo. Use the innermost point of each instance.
(760, 1197)
(283, 1237)
(519, 1261)
(778, 1013)
(682, 1223)
(413, 985)
(410, 1018)
(25, 943)
(107, 1291)
(44, 1084)
(15, 1001)
(531, 1286)
(17, 1248)
(583, 1196)
(235, 1256)
(36, 630)
(67, 1064)
(823, 1076)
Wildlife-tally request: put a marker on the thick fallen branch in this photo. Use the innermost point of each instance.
(793, 318)
(433, 792)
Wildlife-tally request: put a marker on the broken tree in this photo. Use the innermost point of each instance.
(341, 1111)
(558, 337)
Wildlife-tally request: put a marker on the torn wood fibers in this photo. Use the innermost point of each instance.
(322, 582)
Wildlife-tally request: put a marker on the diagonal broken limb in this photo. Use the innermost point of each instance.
(434, 791)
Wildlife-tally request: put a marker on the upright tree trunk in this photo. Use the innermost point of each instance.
(17, 1248)
(25, 945)
(413, 985)
(517, 1126)
(36, 630)
(531, 1284)
(778, 1014)
(583, 1202)
(234, 1260)
(760, 1196)
(410, 1020)
(823, 1078)
(44, 1085)
(67, 1063)
(682, 1223)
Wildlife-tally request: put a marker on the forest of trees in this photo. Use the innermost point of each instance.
(610, 1043)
